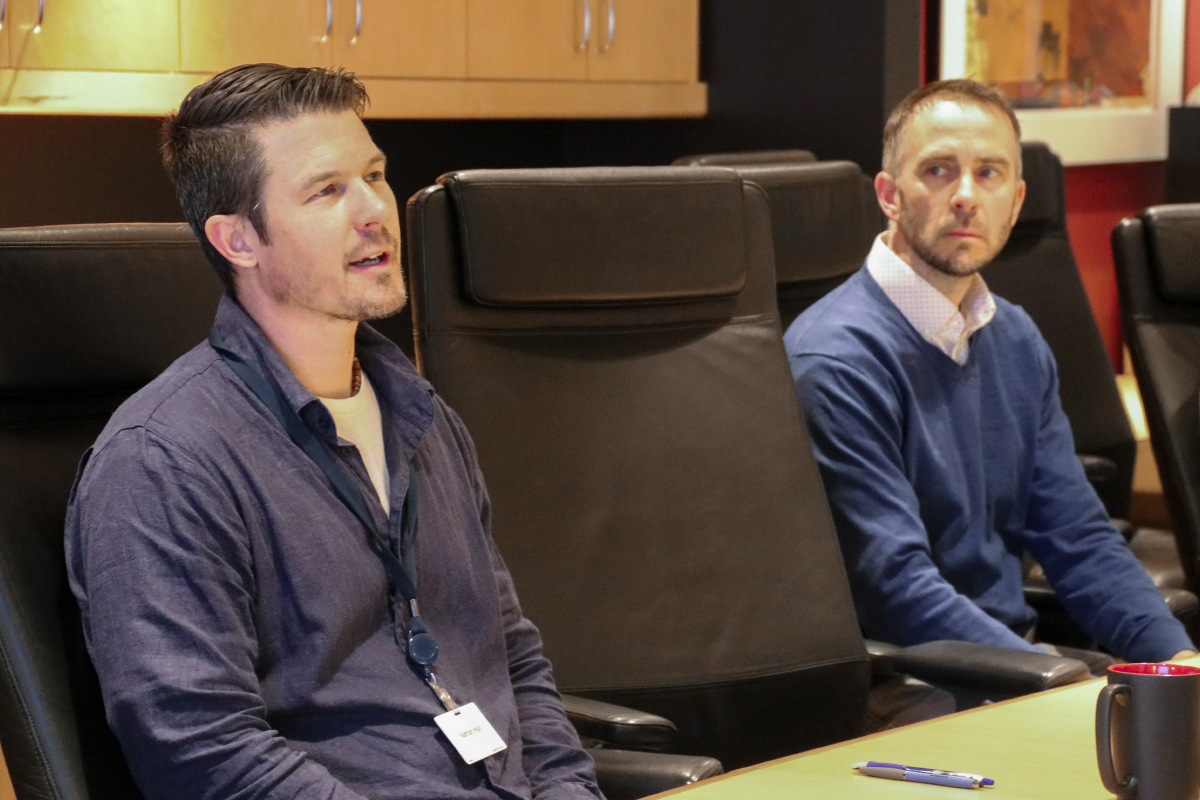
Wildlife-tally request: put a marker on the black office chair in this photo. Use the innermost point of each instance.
(825, 219)
(746, 158)
(610, 338)
(88, 315)
(1156, 258)
(1037, 271)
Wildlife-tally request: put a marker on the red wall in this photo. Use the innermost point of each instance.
(1099, 197)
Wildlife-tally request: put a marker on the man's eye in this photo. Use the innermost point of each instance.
(375, 177)
(937, 170)
(326, 191)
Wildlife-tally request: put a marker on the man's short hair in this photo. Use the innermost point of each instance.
(960, 89)
(211, 150)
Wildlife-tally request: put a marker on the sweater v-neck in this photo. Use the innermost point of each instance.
(934, 355)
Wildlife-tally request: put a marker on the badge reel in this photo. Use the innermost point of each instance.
(465, 726)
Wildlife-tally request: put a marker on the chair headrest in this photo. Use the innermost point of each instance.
(746, 158)
(1045, 192)
(639, 235)
(824, 216)
(99, 307)
(1173, 238)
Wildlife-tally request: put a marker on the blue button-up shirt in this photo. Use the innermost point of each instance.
(242, 626)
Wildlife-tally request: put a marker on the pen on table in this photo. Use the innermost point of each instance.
(937, 777)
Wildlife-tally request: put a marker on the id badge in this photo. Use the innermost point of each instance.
(471, 734)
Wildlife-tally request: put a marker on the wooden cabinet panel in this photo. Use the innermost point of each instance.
(118, 35)
(527, 39)
(644, 40)
(218, 34)
(4, 29)
(402, 38)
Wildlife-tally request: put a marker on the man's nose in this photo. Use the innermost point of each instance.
(371, 209)
(966, 198)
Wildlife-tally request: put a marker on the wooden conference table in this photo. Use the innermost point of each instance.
(1040, 747)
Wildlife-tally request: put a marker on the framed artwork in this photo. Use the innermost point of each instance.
(1093, 78)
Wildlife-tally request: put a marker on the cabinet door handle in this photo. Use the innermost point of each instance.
(587, 26)
(328, 20)
(41, 15)
(358, 14)
(612, 26)
(3, 12)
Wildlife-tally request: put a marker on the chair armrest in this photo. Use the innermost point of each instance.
(629, 774)
(983, 668)
(881, 654)
(1124, 527)
(618, 726)
(1098, 469)
(1182, 603)
(1040, 596)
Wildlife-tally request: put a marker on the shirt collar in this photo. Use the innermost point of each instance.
(398, 386)
(941, 323)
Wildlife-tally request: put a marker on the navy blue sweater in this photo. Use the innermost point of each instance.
(940, 476)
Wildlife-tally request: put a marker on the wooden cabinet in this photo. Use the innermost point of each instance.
(645, 40)
(598, 40)
(218, 34)
(528, 39)
(4, 28)
(374, 38)
(118, 35)
(401, 38)
(434, 59)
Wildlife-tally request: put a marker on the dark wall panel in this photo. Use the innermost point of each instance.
(61, 170)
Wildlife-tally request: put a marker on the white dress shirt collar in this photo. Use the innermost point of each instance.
(939, 321)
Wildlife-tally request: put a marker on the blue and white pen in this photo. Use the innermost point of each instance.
(937, 777)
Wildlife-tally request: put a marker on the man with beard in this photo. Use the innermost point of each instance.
(248, 537)
(934, 413)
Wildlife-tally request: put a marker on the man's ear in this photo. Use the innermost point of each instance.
(235, 238)
(885, 193)
(1018, 202)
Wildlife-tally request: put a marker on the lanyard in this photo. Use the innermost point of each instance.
(420, 646)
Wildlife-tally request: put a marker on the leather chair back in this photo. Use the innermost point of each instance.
(825, 218)
(1156, 258)
(88, 314)
(1037, 271)
(746, 158)
(611, 340)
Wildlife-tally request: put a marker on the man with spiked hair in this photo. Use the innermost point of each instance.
(934, 413)
(280, 546)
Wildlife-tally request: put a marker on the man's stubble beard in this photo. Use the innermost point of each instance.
(368, 308)
(365, 306)
(924, 248)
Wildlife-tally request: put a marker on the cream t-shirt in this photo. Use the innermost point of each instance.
(358, 421)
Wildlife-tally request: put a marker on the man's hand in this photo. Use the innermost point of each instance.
(1184, 654)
